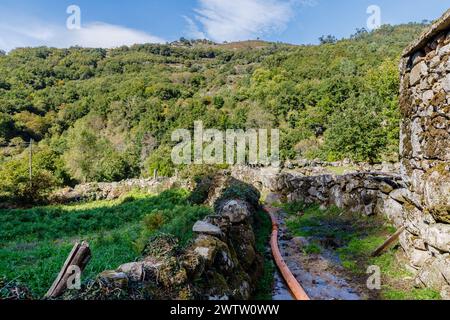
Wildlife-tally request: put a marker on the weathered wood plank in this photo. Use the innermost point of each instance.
(79, 256)
(392, 239)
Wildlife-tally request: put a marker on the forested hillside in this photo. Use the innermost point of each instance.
(107, 115)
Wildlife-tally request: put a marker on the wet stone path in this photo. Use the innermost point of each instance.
(321, 275)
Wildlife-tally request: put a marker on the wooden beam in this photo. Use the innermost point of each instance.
(392, 239)
(79, 256)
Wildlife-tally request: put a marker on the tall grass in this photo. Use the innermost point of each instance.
(35, 242)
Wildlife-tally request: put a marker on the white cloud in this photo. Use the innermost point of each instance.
(36, 33)
(235, 20)
(192, 29)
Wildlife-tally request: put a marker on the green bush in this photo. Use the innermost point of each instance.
(161, 160)
(89, 157)
(238, 190)
(15, 185)
(356, 133)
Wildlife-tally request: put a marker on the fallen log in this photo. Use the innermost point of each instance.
(79, 257)
(392, 239)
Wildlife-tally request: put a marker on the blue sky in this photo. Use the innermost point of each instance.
(109, 23)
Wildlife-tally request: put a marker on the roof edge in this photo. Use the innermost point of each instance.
(442, 24)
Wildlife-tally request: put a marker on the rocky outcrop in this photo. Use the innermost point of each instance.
(220, 263)
(425, 153)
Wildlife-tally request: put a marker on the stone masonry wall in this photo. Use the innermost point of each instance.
(368, 193)
(425, 241)
(425, 153)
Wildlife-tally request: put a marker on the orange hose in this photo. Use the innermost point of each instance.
(294, 286)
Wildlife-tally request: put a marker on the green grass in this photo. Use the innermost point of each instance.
(34, 243)
(340, 170)
(312, 248)
(413, 294)
(356, 236)
(263, 228)
(333, 223)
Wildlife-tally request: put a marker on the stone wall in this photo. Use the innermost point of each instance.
(425, 153)
(367, 193)
(425, 241)
(112, 190)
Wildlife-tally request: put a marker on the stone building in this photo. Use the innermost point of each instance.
(425, 154)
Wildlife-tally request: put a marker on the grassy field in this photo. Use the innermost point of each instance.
(354, 237)
(34, 243)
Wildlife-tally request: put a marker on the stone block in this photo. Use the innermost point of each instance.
(418, 71)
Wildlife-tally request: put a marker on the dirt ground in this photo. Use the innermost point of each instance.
(320, 274)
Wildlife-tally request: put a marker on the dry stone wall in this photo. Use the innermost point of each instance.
(425, 153)
(425, 241)
(112, 190)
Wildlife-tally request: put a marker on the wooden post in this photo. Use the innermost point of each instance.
(388, 242)
(79, 256)
(155, 174)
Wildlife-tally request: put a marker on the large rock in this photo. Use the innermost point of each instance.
(236, 211)
(114, 278)
(446, 83)
(133, 270)
(391, 209)
(420, 70)
(399, 195)
(203, 227)
(435, 275)
(419, 257)
(437, 236)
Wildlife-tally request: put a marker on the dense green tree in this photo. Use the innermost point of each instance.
(92, 158)
(97, 108)
(356, 132)
(15, 185)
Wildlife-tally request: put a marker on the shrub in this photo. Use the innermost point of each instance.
(238, 190)
(356, 133)
(161, 160)
(153, 221)
(15, 185)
